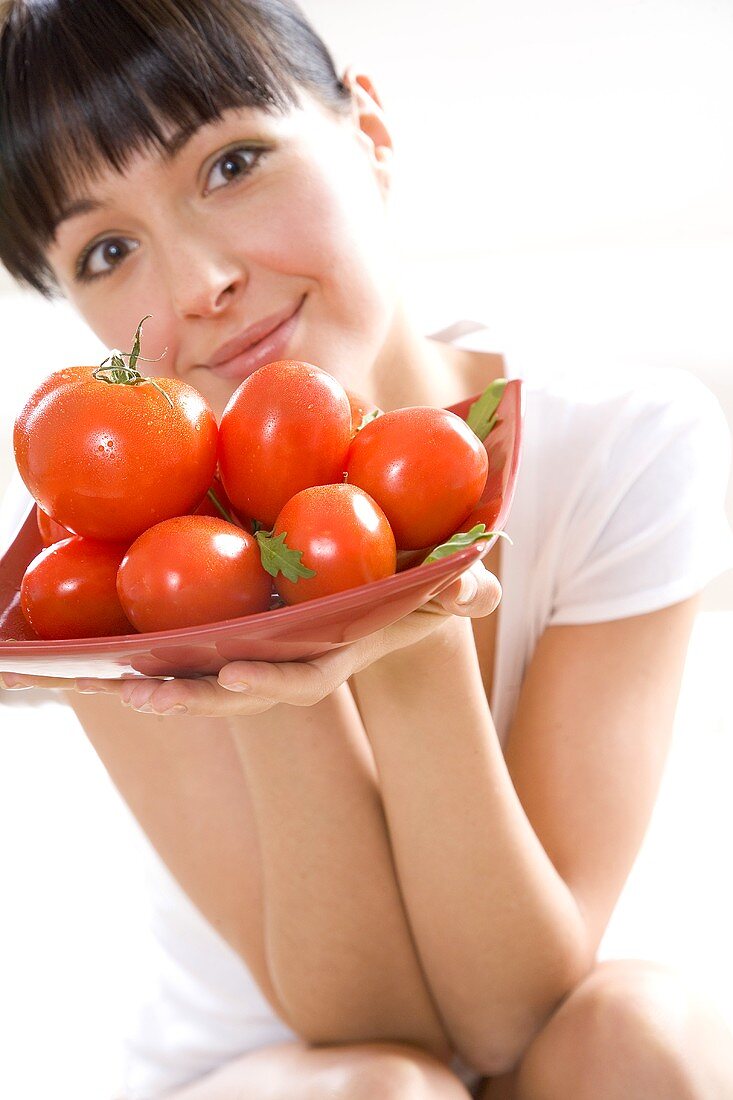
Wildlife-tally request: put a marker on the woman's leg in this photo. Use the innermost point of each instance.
(631, 1030)
(298, 1071)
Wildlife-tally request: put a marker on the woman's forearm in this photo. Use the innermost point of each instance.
(339, 946)
(497, 930)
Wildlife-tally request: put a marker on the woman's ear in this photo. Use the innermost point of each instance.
(368, 115)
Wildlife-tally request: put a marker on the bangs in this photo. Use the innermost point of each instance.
(85, 85)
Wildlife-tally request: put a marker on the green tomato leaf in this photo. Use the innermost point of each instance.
(277, 557)
(482, 413)
(461, 540)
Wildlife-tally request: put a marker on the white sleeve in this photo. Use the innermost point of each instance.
(650, 527)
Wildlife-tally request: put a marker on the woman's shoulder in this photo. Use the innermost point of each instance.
(636, 410)
(629, 449)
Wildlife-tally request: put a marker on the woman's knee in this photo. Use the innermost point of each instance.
(625, 1012)
(301, 1071)
(390, 1071)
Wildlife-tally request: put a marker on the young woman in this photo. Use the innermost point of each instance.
(386, 872)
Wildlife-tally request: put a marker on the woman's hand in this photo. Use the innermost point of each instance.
(251, 687)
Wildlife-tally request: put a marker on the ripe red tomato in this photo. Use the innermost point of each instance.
(109, 460)
(191, 570)
(69, 590)
(49, 530)
(285, 428)
(343, 535)
(424, 467)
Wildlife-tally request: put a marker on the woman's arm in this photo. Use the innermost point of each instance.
(363, 946)
(184, 785)
(510, 866)
(341, 965)
(338, 943)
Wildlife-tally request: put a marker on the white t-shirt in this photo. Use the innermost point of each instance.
(619, 510)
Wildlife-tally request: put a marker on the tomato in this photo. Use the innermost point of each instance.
(424, 467)
(191, 570)
(285, 428)
(49, 530)
(344, 537)
(69, 590)
(109, 459)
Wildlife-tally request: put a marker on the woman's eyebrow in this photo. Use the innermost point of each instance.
(74, 209)
(178, 140)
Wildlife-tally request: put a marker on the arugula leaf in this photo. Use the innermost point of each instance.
(461, 540)
(482, 413)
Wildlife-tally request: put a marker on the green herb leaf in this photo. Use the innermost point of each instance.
(277, 557)
(461, 540)
(482, 413)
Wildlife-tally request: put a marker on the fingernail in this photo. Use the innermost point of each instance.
(177, 709)
(12, 682)
(470, 594)
(145, 708)
(237, 685)
(86, 687)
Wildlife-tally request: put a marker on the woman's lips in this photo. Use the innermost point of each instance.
(266, 350)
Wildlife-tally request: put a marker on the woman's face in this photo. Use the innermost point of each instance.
(255, 216)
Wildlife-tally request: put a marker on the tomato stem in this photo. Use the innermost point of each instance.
(220, 507)
(122, 374)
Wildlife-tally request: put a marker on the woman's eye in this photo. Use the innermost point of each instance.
(104, 256)
(235, 163)
(112, 250)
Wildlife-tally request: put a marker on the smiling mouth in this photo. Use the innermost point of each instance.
(268, 347)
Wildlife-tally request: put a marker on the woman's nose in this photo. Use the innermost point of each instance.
(203, 285)
(204, 296)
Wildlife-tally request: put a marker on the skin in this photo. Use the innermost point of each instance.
(206, 252)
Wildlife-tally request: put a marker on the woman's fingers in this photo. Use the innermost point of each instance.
(303, 683)
(202, 697)
(14, 681)
(477, 592)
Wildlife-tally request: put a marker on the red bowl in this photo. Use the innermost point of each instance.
(296, 633)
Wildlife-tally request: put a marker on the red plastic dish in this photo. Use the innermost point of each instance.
(300, 632)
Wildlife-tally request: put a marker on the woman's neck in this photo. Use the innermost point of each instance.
(412, 369)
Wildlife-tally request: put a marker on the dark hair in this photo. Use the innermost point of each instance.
(85, 84)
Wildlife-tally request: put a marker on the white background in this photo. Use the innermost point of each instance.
(565, 172)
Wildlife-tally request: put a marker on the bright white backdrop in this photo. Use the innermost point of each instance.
(564, 172)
